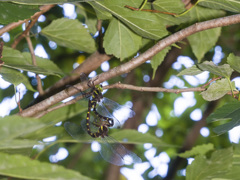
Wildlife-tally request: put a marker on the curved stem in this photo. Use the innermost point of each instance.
(143, 4)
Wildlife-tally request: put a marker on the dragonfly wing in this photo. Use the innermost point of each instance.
(74, 130)
(115, 153)
(102, 110)
(109, 154)
(119, 112)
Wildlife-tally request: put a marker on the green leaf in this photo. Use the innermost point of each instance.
(70, 33)
(203, 41)
(59, 115)
(25, 168)
(192, 71)
(89, 15)
(226, 112)
(223, 70)
(15, 77)
(158, 59)
(144, 24)
(234, 62)
(217, 90)
(197, 150)
(22, 61)
(101, 12)
(121, 41)
(217, 166)
(64, 113)
(15, 126)
(126, 136)
(44, 66)
(15, 144)
(129, 136)
(234, 171)
(228, 5)
(41, 2)
(172, 6)
(12, 13)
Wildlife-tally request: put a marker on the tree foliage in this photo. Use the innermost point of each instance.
(141, 47)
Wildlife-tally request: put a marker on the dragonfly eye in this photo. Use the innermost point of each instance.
(110, 123)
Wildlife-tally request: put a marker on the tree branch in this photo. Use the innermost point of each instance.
(135, 62)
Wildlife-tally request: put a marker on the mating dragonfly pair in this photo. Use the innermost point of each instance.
(98, 123)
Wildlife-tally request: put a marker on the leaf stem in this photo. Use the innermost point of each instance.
(142, 5)
(229, 82)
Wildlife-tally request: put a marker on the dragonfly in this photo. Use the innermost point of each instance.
(105, 108)
(110, 149)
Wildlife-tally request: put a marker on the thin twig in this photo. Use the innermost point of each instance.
(11, 26)
(119, 85)
(135, 62)
(34, 62)
(73, 101)
(19, 103)
(26, 32)
(1, 50)
(214, 79)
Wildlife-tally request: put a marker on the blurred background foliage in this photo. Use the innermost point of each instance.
(167, 116)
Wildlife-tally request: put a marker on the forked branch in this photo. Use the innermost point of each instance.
(135, 62)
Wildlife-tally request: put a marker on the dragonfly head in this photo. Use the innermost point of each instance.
(110, 122)
(99, 88)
